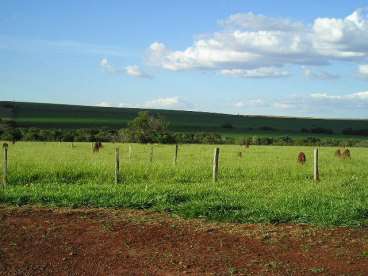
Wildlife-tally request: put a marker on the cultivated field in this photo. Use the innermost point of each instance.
(73, 116)
(264, 185)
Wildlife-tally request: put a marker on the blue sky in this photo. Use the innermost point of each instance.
(293, 58)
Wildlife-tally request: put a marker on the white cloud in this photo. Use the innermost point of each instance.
(283, 105)
(131, 70)
(262, 72)
(163, 102)
(353, 105)
(255, 22)
(105, 65)
(239, 104)
(319, 75)
(342, 38)
(250, 103)
(359, 96)
(329, 105)
(175, 103)
(135, 71)
(104, 104)
(124, 105)
(250, 42)
(363, 70)
(167, 103)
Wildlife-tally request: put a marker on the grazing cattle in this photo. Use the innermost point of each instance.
(301, 158)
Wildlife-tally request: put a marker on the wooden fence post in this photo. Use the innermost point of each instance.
(117, 166)
(215, 167)
(176, 154)
(5, 165)
(130, 153)
(315, 166)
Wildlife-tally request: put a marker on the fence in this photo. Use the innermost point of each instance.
(177, 151)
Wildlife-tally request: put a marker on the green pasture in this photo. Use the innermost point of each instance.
(264, 185)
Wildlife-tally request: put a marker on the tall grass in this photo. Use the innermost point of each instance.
(265, 185)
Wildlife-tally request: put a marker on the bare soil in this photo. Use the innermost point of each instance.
(42, 241)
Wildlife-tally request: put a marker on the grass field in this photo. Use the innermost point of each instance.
(72, 116)
(265, 185)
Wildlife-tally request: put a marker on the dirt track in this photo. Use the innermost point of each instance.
(40, 241)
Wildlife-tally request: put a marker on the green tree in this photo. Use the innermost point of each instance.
(146, 128)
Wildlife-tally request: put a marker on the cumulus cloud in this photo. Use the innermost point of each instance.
(168, 103)
(175, 103)
(319, 75)
(131, 70)
(257, 22)
(107, 66)
(135, 71)
(104, 104)
(359, 96)
(262, 72)
(363, 71)
(249, 42)
(329, 105)
(354, 105)
(283, 105)
(345, 38)
(250, 103)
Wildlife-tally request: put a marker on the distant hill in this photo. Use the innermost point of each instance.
(46, 115)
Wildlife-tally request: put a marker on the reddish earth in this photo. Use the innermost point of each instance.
(40, 241)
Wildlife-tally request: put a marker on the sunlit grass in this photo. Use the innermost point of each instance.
(264, 185)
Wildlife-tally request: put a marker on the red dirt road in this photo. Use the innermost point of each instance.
(40, 241)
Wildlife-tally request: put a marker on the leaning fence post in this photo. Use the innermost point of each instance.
(315, 167)
(215, 167)
(5, 165)
(117, 166)
(176, 154)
